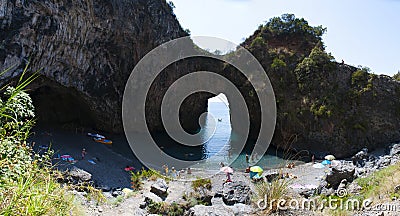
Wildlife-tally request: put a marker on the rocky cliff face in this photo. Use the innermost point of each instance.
(323, 107)
(85, 51)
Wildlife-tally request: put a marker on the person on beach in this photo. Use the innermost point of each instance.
(173, 172)
(83, 153)
(247, 159)
(313, 159)
(165, 167)
(222, 164)
(189, 171)
(228, 178)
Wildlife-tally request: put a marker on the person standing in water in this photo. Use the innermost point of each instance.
(83, 153)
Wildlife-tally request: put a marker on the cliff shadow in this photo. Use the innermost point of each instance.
(60, 106)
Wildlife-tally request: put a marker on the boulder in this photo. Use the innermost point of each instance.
(343, 184)
(271, 176)
(308, 192)
(397, 189)
(394, 149)
(148, 199)
(79, 175)
(384, 161)
(235, 192)
(117, 193)
(201, 210)
(241, 209)
(104, 188)
(337, 174)
(206, 197)
(360, 157)
(140, 212)
(160, 188)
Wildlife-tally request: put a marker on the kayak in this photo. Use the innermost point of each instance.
(96, 135)
(103, 141)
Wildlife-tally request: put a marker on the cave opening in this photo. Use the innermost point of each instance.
(217, 126)
(59, 106)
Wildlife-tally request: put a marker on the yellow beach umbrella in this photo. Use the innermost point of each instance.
(256, 169)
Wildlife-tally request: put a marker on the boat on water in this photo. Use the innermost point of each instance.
(96, 135)
(103, 141)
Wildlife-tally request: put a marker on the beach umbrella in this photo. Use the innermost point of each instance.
(226, 169)
(326, 162)
(256, 169)
(330, 157)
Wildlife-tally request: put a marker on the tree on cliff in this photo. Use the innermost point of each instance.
(397, 76)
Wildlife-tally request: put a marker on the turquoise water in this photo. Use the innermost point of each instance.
(219, 147)
(219, 144)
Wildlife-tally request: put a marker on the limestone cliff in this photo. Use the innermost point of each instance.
(323, 106)
(85, 49)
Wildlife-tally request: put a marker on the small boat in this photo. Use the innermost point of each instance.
(103, 141)
(96, 135)
(220, 119)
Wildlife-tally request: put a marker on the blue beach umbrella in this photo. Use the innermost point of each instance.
(326, 162)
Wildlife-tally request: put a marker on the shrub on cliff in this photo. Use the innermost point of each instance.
(311, 73)
(397, 76)
(26, 183)
(288, 24)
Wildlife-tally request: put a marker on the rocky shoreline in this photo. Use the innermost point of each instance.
(236, 198)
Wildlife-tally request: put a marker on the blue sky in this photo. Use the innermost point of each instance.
(361, 32)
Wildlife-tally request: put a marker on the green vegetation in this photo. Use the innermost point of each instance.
(320, 111)
(397, 76)
(289, 24)
(27, 185)
(318, 60)
(380, 186)
(277, 64)
(138, 177)
(362, 81)
(359, 77)
(258, 42)
(163, 208)
(201, 183)
(275, 190)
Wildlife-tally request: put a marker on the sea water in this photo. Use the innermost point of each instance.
(220, 137)
(218, 143)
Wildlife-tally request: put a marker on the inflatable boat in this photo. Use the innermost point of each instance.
(103, 141)
(96, 135)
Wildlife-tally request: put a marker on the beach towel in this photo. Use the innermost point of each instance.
(129, 169)
(311, 186)
(318, 166)
(65, 157)
(297, 186)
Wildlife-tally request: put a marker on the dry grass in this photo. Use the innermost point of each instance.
(380, 186)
